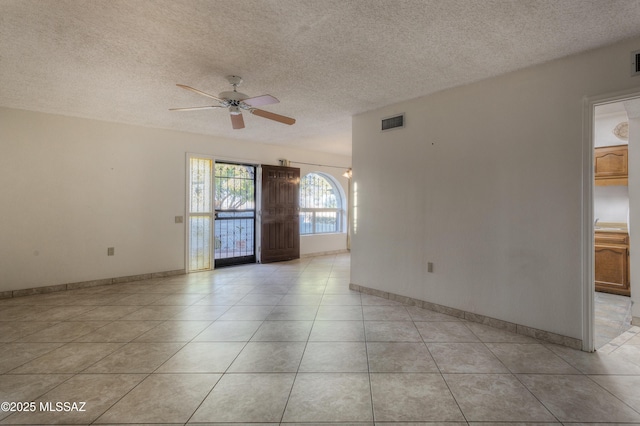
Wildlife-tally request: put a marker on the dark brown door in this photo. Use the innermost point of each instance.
(280, 228)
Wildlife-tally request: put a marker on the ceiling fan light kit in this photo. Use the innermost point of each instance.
(236, 102)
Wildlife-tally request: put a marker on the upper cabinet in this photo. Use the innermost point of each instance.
(611, 165)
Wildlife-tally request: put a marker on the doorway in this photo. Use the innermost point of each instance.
(612, 212)
(221, 213)
(610, 209)
(235, 214)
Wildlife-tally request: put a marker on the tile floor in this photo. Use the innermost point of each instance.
(289, 343)
(612, 317)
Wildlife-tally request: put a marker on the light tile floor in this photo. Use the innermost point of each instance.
(290, 343)
(612, 317)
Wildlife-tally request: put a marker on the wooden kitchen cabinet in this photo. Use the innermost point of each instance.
(611, 165)
(612, 263)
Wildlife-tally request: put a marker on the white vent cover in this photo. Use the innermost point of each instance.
(635, 63)
(395, 122)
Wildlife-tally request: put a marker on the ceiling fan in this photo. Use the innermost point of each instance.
(236, 102)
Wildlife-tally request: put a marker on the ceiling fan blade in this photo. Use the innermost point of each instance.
(257, 101)
(199, 92)
(196, 108)
(271, 116)
(237, 121)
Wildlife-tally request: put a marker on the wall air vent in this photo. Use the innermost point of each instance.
(635, 63)
(395, 122)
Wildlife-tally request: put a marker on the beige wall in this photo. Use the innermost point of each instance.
(72, 187)
(486, 181)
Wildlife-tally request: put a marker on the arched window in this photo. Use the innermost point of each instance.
(320, 205)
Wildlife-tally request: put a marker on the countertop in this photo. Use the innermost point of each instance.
(619, 228)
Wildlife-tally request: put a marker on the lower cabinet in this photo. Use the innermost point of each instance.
(612, 266)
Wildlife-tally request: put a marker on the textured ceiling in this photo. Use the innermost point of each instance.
(326, 60)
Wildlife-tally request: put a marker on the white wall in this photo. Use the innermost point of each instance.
(486, 182)
(73, 187)
(603, 126)
(610, 203)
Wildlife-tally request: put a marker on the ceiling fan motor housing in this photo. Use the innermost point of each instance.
(233, 96)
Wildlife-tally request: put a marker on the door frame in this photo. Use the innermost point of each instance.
(258, 230)
(587, 234)
(256, 169)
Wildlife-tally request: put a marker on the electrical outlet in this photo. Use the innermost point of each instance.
(429, 266)
(111, 251)
(179, 219)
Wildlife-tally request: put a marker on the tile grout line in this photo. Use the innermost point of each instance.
(588, 376)
(246, 343)
(514, 375)
(486, 341)
(366, 351)
(183, 346)
(122, 397)
(439, 369)
(143, 379)
(295, 377)
(538, 399)
(159, 366)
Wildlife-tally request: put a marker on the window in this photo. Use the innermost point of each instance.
(320, 205)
